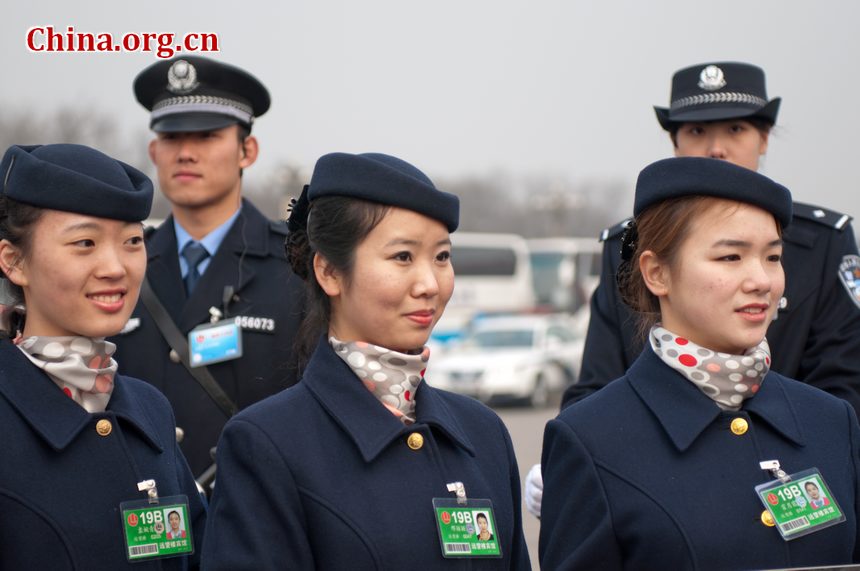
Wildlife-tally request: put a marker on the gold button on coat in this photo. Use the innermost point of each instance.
(104, 427)
(740, 426)
(180, 434)
(174, 356)
(415, 441)
(767, 519)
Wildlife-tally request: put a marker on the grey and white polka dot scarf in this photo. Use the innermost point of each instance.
(727, 379)
(82, 367)
(391, 376)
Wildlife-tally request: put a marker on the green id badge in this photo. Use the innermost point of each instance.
(800, 504)
(467, 528)
(159, 529)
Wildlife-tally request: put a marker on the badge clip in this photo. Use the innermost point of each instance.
(148, 486)
(215, 314)
(460, 490)
(772, 466)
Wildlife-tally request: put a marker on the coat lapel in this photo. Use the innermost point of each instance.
(163, 267)
(247, 239)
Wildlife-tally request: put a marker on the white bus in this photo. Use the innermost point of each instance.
(493, 275)
(565, 271)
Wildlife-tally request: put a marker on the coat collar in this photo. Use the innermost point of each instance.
(56, 418)
(685, 412)
(248, 237)
(362, 417)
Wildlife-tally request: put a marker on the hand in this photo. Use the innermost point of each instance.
(534, 490)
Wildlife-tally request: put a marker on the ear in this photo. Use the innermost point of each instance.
(655, 273)
(250, 150)
(10, 263)
(765, 137)
(151, 149)
(327, 276)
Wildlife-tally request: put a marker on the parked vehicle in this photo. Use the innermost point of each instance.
(523, 358)
(565, 271)
(493, 275)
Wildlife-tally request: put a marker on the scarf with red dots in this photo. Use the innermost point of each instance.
(81, 367)
(391, 376)
(727, 379)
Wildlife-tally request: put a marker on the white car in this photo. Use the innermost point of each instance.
(526, 358)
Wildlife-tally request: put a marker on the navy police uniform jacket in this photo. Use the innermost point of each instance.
(320, 476)
(815, 338)
(647, 474)
(62, 482)
(252, 260)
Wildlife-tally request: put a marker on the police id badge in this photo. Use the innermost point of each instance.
(215, 342)
(849, 275)
(467, 529)
(800, 503)
(156, 529)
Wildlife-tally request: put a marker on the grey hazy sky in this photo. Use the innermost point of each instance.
(562, 87)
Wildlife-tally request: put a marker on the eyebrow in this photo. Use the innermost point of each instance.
(743, 243)
(408, 242)
(94, 226)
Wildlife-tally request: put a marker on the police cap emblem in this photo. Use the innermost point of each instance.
(712, 78)
(181, 77)
(849, 275)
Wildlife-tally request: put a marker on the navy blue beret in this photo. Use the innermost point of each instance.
(697, 176)
(386, 180)
(75, 178)
(717, 92)
(191, 93)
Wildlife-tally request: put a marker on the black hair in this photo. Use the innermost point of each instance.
(16, 225)
(334, 228)
(17, 220)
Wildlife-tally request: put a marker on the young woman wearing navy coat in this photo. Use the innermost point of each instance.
(659, 469)
(341, 471)
(76, 438)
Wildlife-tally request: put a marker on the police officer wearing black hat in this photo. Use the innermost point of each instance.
(215, 325)
(89, 456)
(721, 110)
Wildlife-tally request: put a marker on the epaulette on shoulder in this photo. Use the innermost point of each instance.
(614, 231)
(278, 226)
(821, 215)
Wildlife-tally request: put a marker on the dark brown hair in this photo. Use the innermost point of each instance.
(336, 225)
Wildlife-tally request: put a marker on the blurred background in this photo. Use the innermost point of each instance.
(538, 114)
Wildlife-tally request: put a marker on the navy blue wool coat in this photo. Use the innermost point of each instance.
(61, 483)
(320, 477)
(252, 260)
(646, 474)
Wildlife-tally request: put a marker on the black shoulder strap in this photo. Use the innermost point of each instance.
(179, 344)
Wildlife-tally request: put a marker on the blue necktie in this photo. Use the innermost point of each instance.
(194, 253)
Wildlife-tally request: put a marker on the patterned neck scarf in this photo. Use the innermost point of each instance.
(391, 376)
(81, 367)
(727, 379)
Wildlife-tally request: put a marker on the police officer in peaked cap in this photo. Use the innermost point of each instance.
(215, 324)
(721, 110)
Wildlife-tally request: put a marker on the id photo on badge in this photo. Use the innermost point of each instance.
(483, 526)
(815, 495)
(175, 525)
